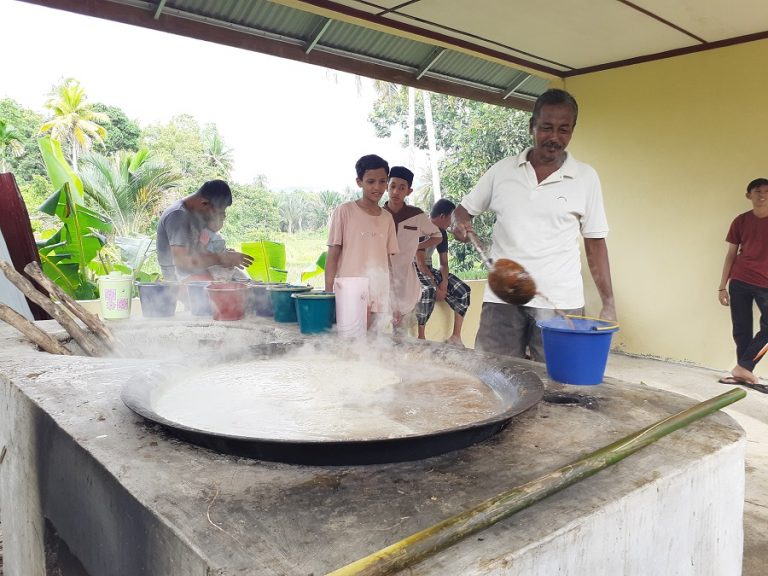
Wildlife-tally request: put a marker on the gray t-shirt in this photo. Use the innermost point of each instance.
(177, 227)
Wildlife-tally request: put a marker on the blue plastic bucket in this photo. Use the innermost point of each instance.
(283, 306)
(259, 300)
(158, 299)
(199, 304)
(315, 311)
(576, 348)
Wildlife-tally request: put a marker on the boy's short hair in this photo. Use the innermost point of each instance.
(442, 207)
(402, 172)
(370, 162)
(757, 182)
(217, 192)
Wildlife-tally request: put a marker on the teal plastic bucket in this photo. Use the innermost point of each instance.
(315, 311)
(576, 348)
(283, 306)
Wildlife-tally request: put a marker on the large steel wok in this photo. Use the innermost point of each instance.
(516, 387)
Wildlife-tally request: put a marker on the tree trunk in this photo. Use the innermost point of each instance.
(436, 194)
(411, 127)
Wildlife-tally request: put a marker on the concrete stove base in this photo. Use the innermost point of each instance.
(125, 498)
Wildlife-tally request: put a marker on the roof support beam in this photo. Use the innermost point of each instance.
(433, 57)
(160, 8)
(317, 34)
(515, 87)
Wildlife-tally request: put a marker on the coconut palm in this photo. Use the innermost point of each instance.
(216, 152)
(74, 123)
(432, 144)
(10, 144)
(127, 187)
(293, 209)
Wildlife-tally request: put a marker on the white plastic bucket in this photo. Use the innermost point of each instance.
(351, 306)
(115, 291)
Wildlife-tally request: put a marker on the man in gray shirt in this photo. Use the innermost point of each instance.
(179, 251)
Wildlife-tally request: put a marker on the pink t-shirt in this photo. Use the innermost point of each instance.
(750, 234)
(366, 242)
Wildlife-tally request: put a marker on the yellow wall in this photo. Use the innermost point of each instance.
(675, 143)
(440, 325)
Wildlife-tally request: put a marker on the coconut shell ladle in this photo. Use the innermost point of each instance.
(507, 279)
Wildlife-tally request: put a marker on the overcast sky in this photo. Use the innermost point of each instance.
(300, 125)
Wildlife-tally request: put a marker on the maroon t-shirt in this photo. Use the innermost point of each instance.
(750, 234)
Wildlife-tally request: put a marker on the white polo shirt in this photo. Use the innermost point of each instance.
(538, 225)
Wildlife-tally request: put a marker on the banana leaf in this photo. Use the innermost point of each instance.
(268, 260)
(134, 250)
(318, 269)
(65, 256)
(58, 169)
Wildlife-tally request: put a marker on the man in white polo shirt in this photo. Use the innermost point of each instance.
(543, 199)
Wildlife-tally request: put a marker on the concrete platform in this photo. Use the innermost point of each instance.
(751, 413)
(123, 497)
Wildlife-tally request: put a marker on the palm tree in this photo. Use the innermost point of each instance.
(127, 187)
(292, 207)
(432, 143)
(216, 152)
(386, 91)
(74, 122)
(10, 145)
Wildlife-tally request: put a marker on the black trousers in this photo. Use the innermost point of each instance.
(743, 298)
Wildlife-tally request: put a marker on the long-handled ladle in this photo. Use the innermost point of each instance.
(508, 279)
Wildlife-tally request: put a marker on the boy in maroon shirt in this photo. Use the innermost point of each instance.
(745, 271)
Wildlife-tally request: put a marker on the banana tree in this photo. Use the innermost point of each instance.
(67, 254)
(10, 144)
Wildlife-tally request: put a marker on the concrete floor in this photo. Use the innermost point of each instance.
(751, 413)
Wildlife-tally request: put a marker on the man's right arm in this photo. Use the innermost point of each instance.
(442, 289)
(722, 292)
(461, 223)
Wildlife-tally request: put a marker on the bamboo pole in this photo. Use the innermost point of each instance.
(91, 320)
(88, 342)
(36, 335)
(429, 541)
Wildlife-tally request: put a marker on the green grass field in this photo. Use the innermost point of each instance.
(301, 252)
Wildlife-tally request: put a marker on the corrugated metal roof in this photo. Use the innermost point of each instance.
(411, 62)
(495, 51)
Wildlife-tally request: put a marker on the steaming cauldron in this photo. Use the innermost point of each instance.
(415, 421)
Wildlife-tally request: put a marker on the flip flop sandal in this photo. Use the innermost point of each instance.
(730, 380)
(759, 387)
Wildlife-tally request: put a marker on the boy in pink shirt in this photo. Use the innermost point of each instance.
(361, 237)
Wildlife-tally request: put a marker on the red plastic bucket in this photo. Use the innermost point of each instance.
(227, 299)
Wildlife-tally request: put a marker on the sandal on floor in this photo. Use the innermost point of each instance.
(735, 381)
(759, 387)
